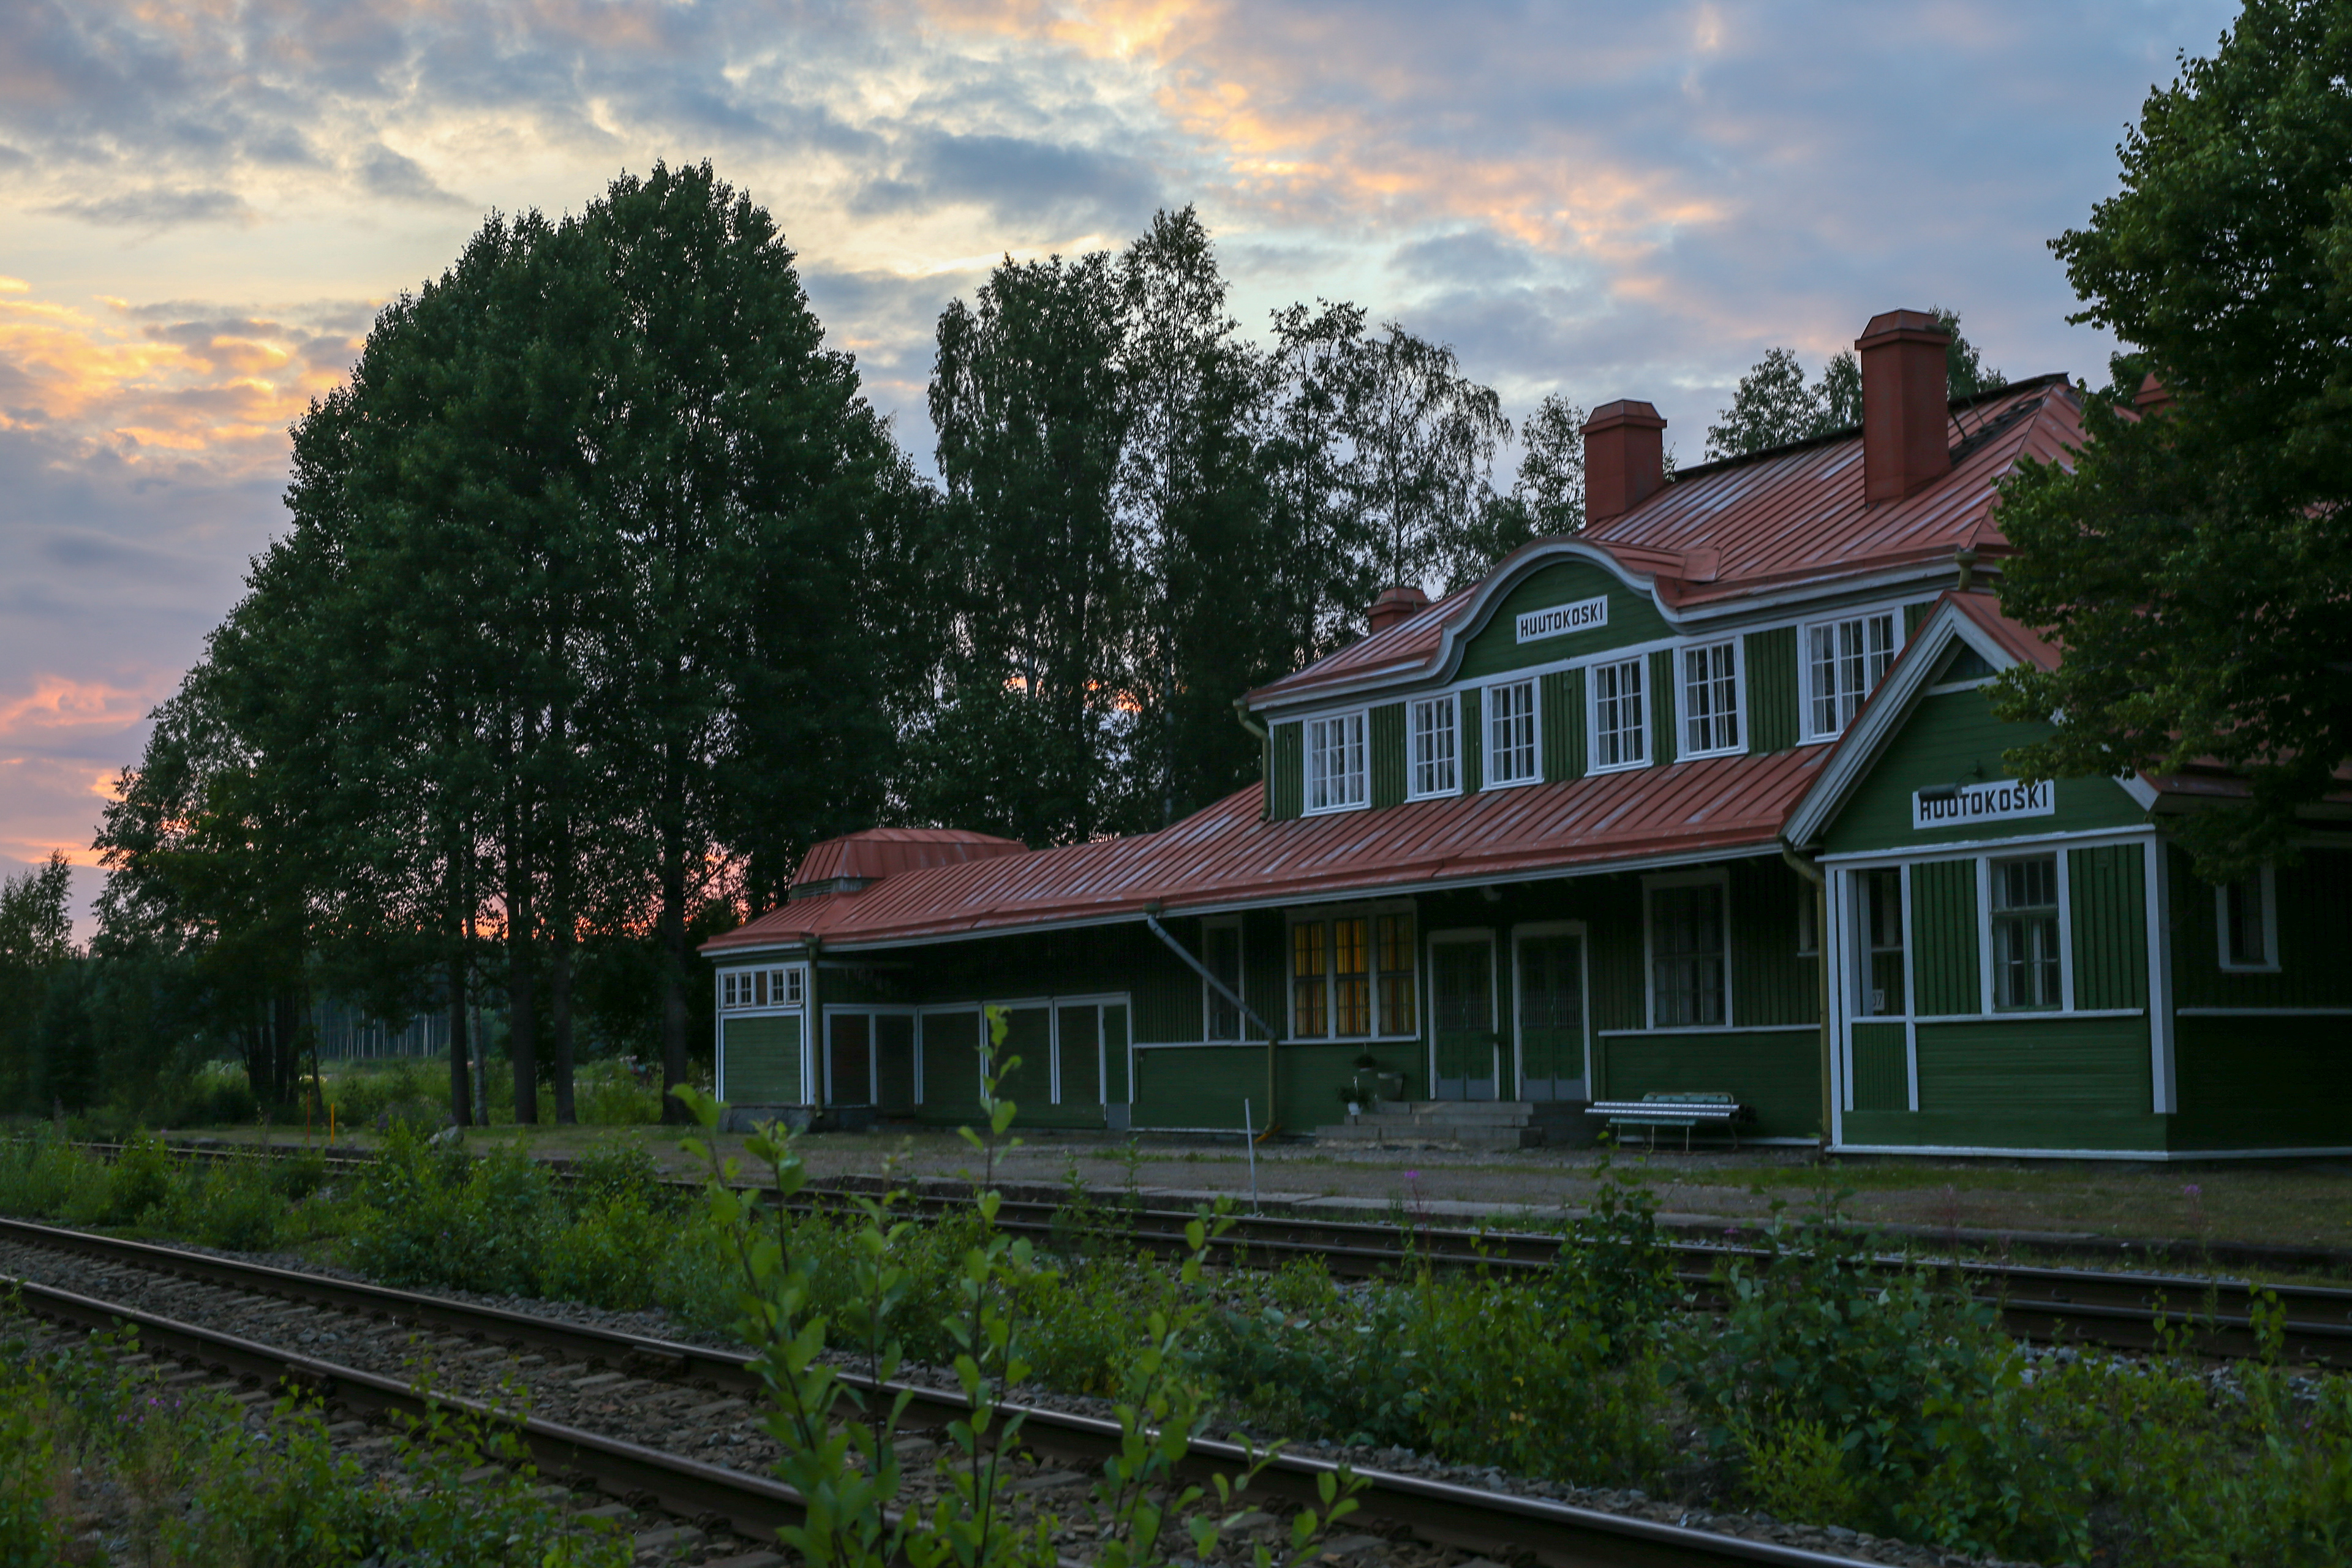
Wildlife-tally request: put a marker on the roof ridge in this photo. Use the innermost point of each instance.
(1848, 432)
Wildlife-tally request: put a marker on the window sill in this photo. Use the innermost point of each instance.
(2250, 969)
(1510, 784)
(1452, 794)
(1616, 767)
(1718, 752)
(1335, 810)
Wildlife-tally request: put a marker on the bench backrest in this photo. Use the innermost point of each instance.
(1687, 1099)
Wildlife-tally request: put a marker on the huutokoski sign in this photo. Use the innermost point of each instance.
(2004, 801)
(1557, 620)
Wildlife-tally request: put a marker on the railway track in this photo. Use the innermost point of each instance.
(254, 1309)
(2113, 1309)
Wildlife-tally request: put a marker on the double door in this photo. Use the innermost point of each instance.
(869, 1059)
(1520, 1028)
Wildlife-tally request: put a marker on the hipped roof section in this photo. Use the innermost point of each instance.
(1226, 856)
(1748, 526)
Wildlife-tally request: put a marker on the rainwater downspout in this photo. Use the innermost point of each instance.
(1151, 918)
(1813, 873)
(1265, 771)
(812, 1030)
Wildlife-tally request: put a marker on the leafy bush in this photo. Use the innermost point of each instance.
(437, 1217)
(615, 1093)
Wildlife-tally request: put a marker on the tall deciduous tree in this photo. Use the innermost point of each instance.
(2198, 565)
(36, 941)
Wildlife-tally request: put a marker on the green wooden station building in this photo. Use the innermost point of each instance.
(1707, 798)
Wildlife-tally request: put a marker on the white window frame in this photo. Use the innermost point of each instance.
(1209, 997)
(2269, 896)
(1449, 704)
(1532, 719)
(1720, 881)
(1383, 1027)
(1640, 664)
(2063, 852)
(784, 991)
(1738, 710)
(1897, 637)
(1356, 792)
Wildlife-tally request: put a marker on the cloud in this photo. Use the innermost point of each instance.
(396, 177)
(158, 207)
(56, 703)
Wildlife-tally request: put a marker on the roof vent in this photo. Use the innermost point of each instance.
(1625, 458)
(1400, 603)
(1906, 404)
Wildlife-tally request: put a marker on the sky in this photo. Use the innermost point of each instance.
(204, 204)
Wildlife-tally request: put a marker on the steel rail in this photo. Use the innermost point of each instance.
(1563, 1534)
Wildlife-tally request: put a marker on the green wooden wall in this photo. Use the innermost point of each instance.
(1772, 710)
(1384, 735)
(1495, 648)
(1881, 1067)
(1945, 971)
(1665, 732)
(1956, 737)
(1771, 982)
(2108, 888)
(1289, 787)
(1778, 1074)
(2252, 1083)
(1563, 725)
(763, 1060)
(2314, 910)
(1473, 741)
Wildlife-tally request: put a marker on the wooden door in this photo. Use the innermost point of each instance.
(1551, 1016)
(1462, 1008)
(849, 1060)
(893, 1062)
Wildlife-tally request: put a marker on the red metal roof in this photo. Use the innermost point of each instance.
(878, 852)
(1226, 856)
(1793, 515)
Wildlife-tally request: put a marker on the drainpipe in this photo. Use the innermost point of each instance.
(1813, 873)
(1151, 918)
(813, 1038)
(1264, 768)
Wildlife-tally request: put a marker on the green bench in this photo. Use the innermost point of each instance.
(1683, 1110)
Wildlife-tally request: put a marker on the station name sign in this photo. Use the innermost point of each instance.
(1559, 620)
(2004, 801)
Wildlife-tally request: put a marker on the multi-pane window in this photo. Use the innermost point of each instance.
(1511, 733)
(1620, 736)
(1335, 763)
(1843, 660)
(1310, 990)
(760, 988)
(1686, 971)
(1392, 957)
(1434, 769)
(1879, 895)
(2024, 916)
(2248, 918)
(1352, 976)
(1710, 700)
(1221, 954)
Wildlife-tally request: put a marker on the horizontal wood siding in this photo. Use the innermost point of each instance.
(1944, 959)
(1388, 759)
(1882, 1069)
(1771, 982)
(1665, 738)
(2108, 889)
(1778, 1074)
(1771, 661)
(1202, 1086)
(2315, 917)
(1955, 738)
(1563, 725)
(2049, 1066)
(1632, 618)
(2253, 1083)
(1473, 739)
(763, 1060)
(1287, 788)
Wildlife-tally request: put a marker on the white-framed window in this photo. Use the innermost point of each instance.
(1335, 763)
(1710, 696)
(1844, 661)
(1881, 979)
(1512, 734)
(2028, 972)
(1621, 732)
(1353, 975)
(1434, 763)
(1688, 940)
(1220, 956)
(2246, 916)
(742, 988)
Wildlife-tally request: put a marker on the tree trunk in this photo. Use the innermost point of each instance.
(559, 1018)
(673, 948)
(522, 1012)
(461, 1085)
(285, 1053)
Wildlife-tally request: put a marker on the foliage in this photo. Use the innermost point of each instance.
(1774, 405)
(2196, 566)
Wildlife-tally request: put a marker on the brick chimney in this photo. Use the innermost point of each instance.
(1625, 458)
(1394, 604)
(1906, 404)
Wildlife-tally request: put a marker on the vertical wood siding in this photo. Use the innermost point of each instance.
(2108, 888)
(1778, 1075)
(1882, 1072)
(1772, 690)
(1563, 725)
(950, 1064)
(1771, 982)
(1116, 1087)
(1944, 963)
(2315, 917)
(763, 1060)
(1266, 970)
(1665, 732)
(2251, 1082)
(1914, 616)
(1474, 742)
(1288, 785)
(1388, 758)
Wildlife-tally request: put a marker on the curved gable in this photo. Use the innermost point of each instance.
(1548, 574)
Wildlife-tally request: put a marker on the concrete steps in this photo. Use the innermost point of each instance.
(1463, 1125)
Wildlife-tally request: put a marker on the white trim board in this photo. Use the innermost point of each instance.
(2167, 1156)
